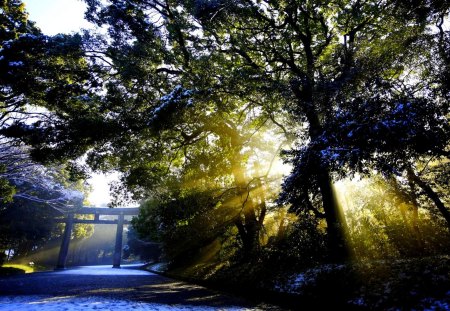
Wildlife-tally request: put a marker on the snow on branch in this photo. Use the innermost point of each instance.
(34, 182)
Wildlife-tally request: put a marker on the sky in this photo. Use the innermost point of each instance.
(66, 16)
(57, 16)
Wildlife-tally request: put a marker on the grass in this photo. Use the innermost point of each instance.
(25, 268)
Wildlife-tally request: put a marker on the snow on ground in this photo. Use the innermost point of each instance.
(105, 270)
(71, 303)
(296, 282)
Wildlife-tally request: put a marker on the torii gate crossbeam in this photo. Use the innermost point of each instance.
(97, 212)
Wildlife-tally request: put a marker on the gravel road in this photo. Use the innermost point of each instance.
(105, 284)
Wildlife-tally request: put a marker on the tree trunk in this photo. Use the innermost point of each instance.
(304, 91)
(409, 196)
(248, 224)
(281, 234)
(249, 234)
(415, 215)
(431, 194)
(336, 226)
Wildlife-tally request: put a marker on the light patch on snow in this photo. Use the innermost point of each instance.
(72, 303)
(175, 97)
(28, 36)
(16, 64)
(358, 302)
(171, 96)
(158, 267)
(85, 98)
(296, 282)
(105, 270)
(436, 304)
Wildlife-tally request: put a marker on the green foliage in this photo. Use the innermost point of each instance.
(384, 223)
(148, 250)
(7, 190)
(13, 20)
(185, 222)
(304, 245)
(25, 226)
(49, 72)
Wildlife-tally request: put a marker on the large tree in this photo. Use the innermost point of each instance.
(37, 73)
(350, 69)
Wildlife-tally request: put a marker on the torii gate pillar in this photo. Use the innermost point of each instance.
(63, 251)
(118, 247)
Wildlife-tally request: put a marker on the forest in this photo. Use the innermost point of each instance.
(268, 143)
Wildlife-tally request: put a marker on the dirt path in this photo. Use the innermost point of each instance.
(106, 284)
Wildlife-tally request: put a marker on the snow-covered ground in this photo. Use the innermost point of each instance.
(42, 303)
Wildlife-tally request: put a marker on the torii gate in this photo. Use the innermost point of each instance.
(96, 211)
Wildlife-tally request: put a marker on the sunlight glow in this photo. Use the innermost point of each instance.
(100, 195)
(280, 168)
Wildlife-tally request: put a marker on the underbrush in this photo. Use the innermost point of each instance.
(418, 283)
(407, 284)
(6, 271)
